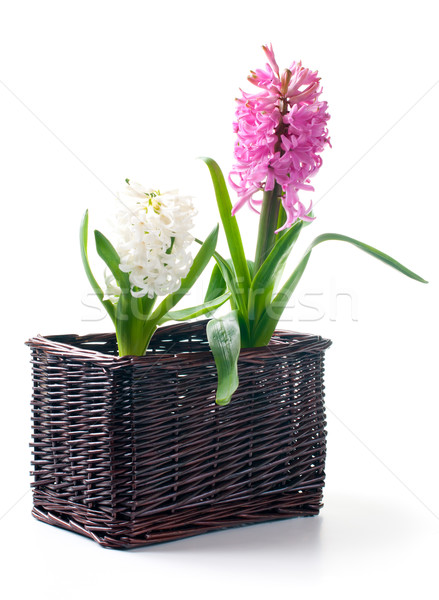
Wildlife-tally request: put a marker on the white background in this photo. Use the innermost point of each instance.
(93, 92)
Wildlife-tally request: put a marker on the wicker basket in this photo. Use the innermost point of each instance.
(133, 451)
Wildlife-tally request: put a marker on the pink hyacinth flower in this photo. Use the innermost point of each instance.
(281, 131)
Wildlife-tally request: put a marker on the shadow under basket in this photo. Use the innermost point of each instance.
(133, 451)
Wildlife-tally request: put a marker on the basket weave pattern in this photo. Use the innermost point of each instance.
(133, 451)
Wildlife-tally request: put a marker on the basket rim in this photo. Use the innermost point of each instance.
(282, 339)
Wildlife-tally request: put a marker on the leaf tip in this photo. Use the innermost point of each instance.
(84, 221)
(223, 401)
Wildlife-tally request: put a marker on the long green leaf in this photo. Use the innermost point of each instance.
(251, 267)
(200, 262)
(224, 339)
(282, 217)
(83, 241)
(228, 274)
(273, 312)
(268, 220)
(195, 311)
(237, 301)
(111, 258)
(217, 285)
(230, 225)
(270, 272)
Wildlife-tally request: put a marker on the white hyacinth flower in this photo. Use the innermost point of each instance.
(152, 240)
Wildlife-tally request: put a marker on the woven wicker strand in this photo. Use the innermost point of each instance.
(132, 450)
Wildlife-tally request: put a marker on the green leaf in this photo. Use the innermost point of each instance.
(282, 217)
(251, 267)
(229, 277)
(195, 311)
(268, 275)
(237, 301)
(111, 258)
(146, 304)
(200, 262)
(385, 258)
(268, 220)
(273, 312)
(83, 241)
(224, 338)
(133, 327)
(217, 284)
(230, 225)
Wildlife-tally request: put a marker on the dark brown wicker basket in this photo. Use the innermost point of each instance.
(133, 451)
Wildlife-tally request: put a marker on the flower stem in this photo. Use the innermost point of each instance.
(268, 223)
